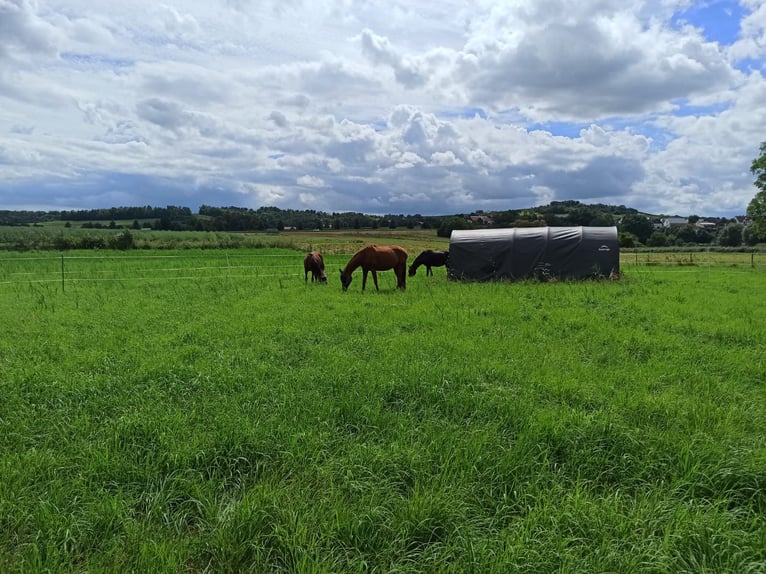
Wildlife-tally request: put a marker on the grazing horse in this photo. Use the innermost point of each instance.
(377, 258)
(314, 263)
(430, 259)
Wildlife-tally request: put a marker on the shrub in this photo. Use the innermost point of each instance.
(123, 240)
(657, 239)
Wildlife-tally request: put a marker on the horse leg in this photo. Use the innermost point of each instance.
(375, 279)
(401, 276)
(364, 279)
(429, 271)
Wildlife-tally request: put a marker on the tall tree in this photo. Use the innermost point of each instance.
(756, 210)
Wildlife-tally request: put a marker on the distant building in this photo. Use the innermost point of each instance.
(706, 224)
(668, 222)
(481, 219)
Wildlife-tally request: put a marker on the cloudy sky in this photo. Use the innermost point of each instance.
(381, 107)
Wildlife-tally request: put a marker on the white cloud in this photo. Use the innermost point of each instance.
(445, 159)
(395, 107)
(752, 43)
(310, 181)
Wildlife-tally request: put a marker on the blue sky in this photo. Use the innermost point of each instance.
(381, 107)
(719, 21)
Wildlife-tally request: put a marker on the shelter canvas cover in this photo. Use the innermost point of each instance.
(519, 253)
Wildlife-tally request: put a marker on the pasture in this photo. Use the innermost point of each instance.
(208, 411)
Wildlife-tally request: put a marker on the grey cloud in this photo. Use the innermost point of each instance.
(297, 101)
(334, 79)
(194, 86)
(30, 89)
(278, 118)
(379, 50)
(352, 150)
(164, 113)
(122, 132)
(602, 177)
(449, 179)
(582, 71)
(24, 130)
(21, 28)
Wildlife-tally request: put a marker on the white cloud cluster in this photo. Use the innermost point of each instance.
(393, 107)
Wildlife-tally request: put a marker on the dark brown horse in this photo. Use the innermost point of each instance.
(314, 263)
(429, 258)
(377, 258)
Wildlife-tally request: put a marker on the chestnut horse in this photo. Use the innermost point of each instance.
(430, 259)
(377, 258)
(314, 263)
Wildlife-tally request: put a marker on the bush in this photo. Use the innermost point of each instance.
(627, 239)
(123, 240)
(92, 242)
(62, 243)
(657, 239)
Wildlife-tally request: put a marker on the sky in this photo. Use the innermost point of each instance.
(392, 107)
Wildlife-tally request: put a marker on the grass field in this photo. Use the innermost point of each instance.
(207, 411)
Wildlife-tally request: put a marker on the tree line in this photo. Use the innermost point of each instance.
(636, 229)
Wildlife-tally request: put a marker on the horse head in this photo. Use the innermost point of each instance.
(345, 280)
(413, 270)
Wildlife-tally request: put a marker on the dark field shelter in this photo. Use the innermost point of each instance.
(533, 252)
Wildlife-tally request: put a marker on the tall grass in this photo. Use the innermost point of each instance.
(57, 238)
(219, 421)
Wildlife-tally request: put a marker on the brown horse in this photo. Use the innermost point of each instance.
(430, 259)
(377, 258)
(314, 263)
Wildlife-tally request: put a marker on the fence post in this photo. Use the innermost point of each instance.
(752, 259)
(62, 272)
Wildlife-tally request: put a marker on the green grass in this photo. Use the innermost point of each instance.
(54, 237)
(208, 411)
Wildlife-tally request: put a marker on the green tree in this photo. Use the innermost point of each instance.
(756, 210)
(637, 224)
(626, 239)
(704, 236)
(731, 235)
(450, 223)
(687, 234)
(657, 239)
(602, 220)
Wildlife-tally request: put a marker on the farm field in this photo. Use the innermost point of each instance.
(208, 411)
